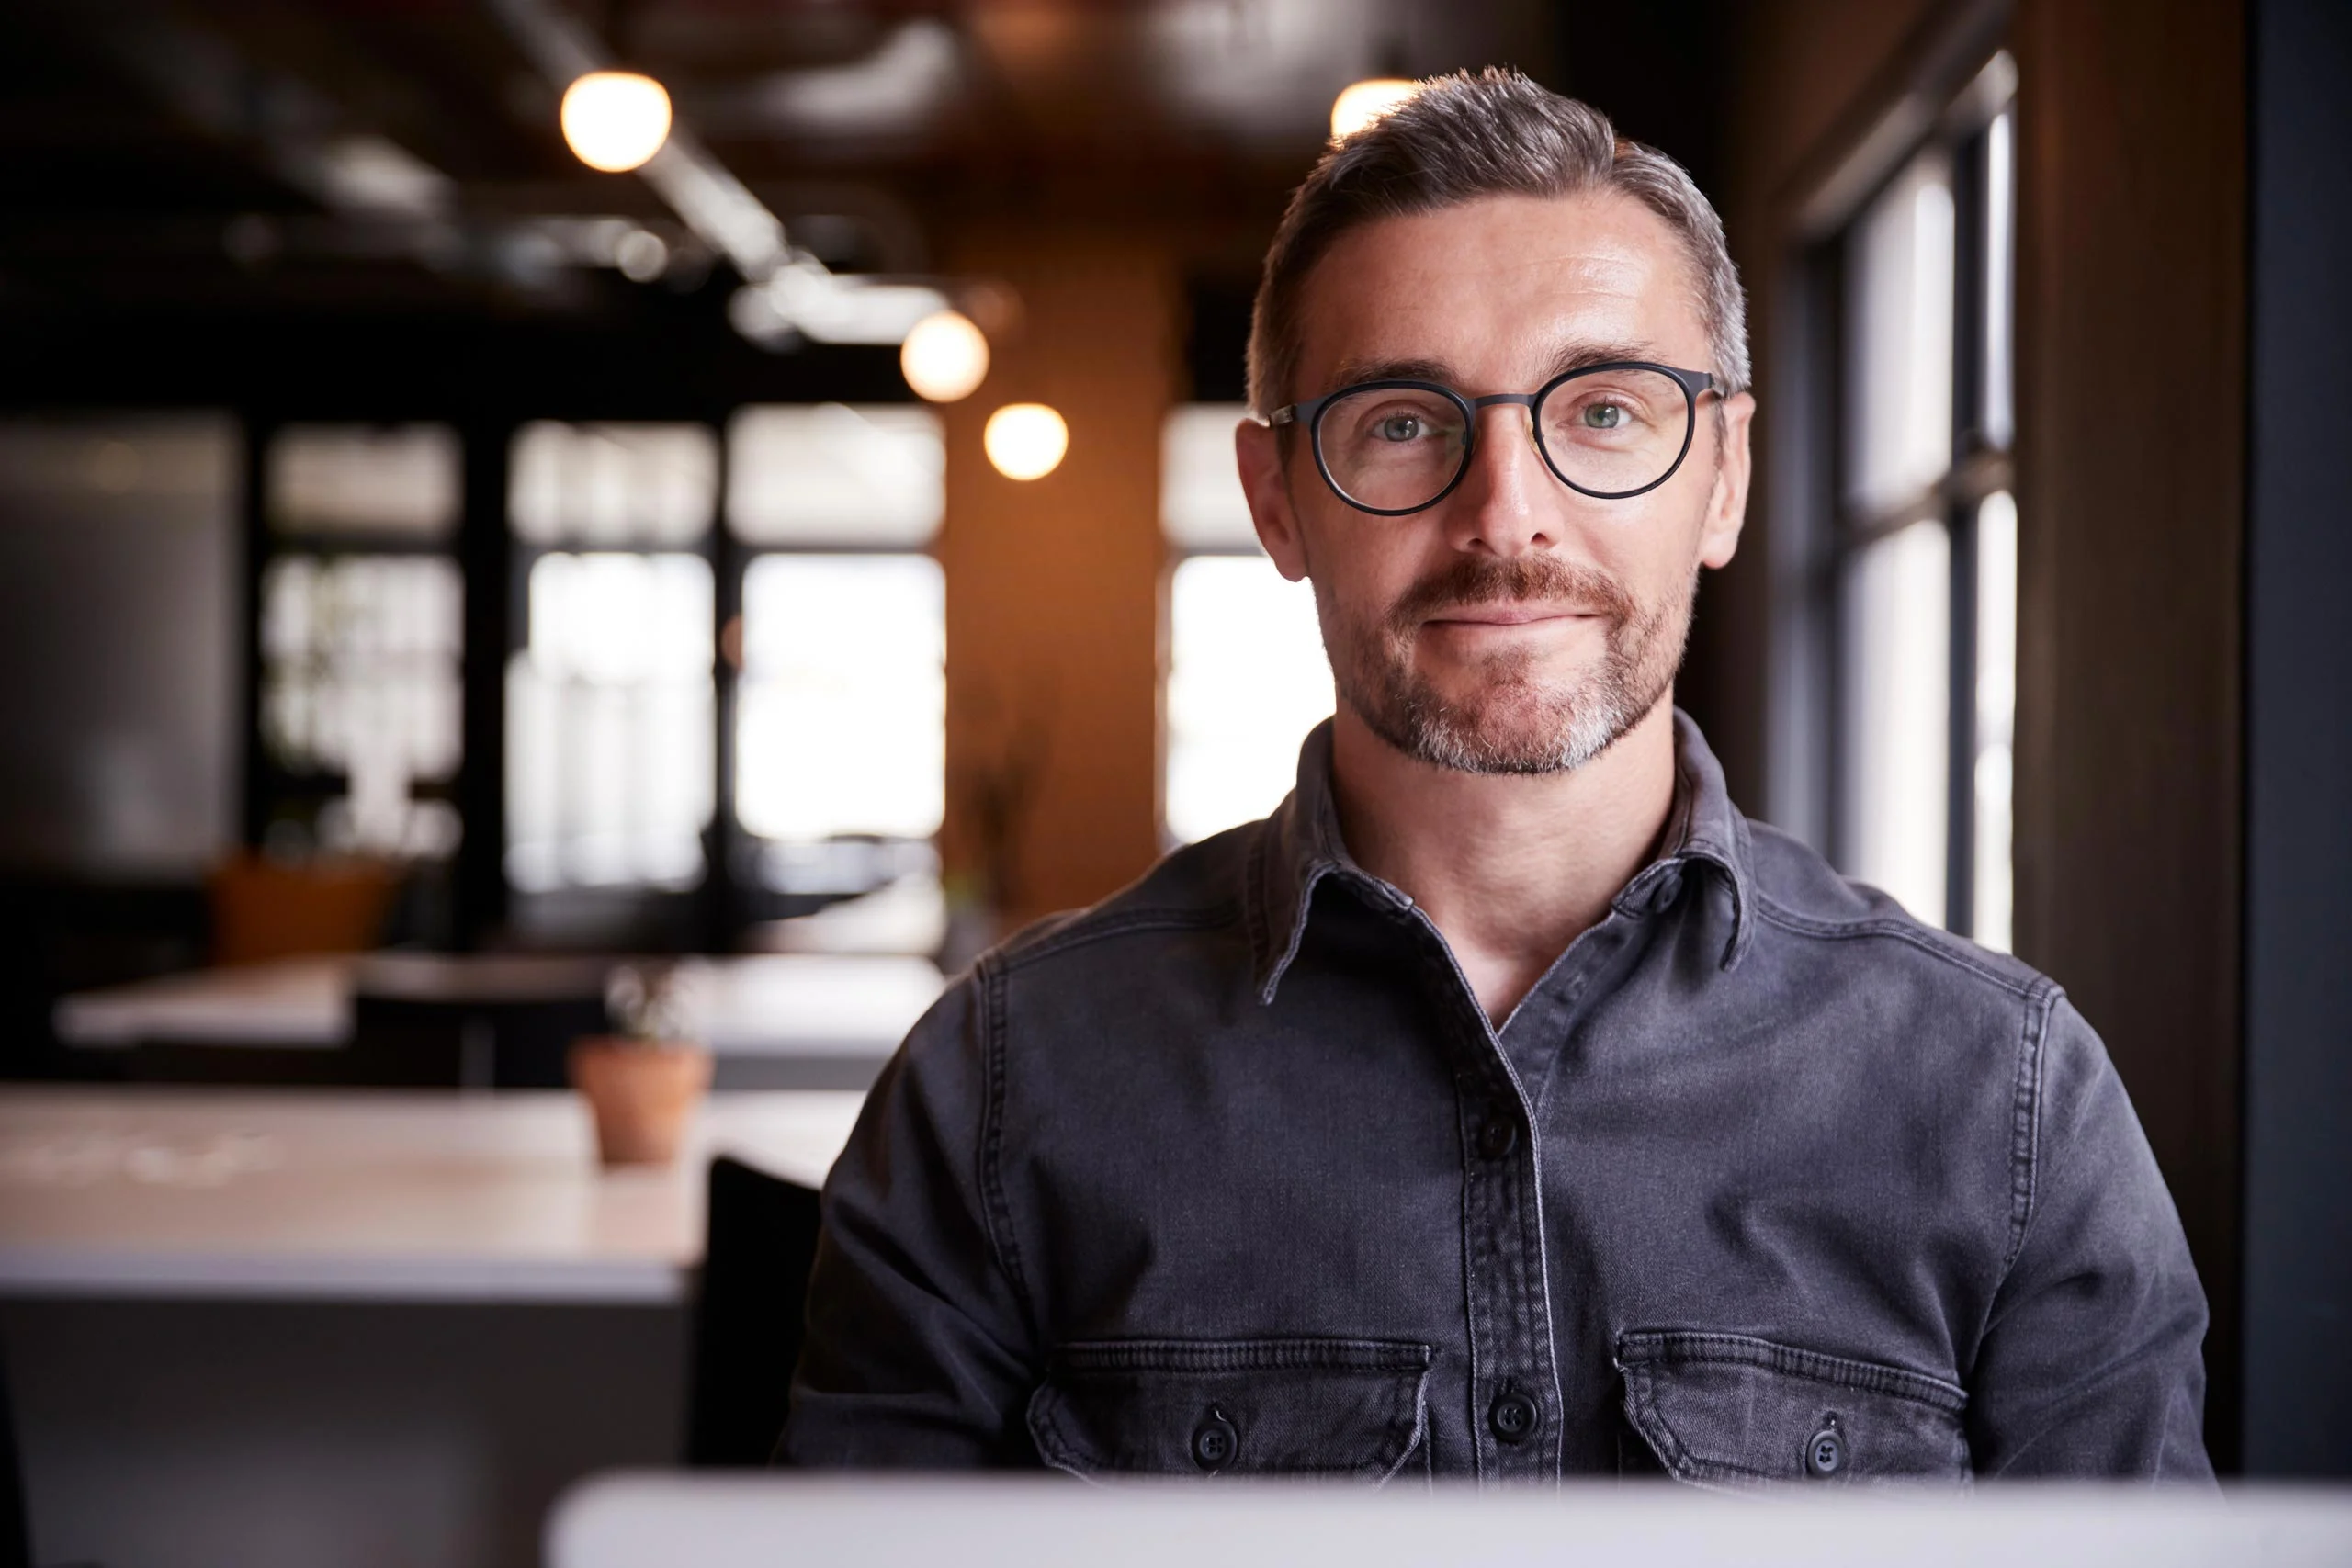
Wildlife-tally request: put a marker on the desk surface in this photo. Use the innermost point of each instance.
(769, 1004)
(370, 1195)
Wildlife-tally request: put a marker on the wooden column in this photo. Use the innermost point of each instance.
(2130, 400)
(1054, 585)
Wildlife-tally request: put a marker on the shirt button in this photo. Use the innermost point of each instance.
(1825, 1454)
(1497, 1137)
(1213, 1441)
(1513, 1417)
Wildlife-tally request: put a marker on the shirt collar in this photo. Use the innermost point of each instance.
(1300, 845)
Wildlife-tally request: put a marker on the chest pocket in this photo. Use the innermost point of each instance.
(1330, 1407)
(1728, 1410)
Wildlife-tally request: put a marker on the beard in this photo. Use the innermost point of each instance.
(1513, 720)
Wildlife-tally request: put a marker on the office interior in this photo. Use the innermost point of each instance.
(437, 576)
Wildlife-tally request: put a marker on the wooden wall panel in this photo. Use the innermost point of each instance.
(2131, 474)
(1053, 585)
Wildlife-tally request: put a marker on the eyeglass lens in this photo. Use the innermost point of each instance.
(1606, 432)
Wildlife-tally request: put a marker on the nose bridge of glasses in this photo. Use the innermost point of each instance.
(1523, 401)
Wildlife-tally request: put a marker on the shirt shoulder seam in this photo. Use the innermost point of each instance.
(1788, 921)
(2025, 1137)
(1093, 928)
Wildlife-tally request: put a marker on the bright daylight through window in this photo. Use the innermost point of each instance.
(841, 715)
(1246, 678)
(609, 703)
(1926, 544)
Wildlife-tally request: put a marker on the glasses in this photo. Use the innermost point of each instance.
(1607, 431)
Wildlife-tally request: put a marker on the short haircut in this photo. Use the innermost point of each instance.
(1461, 138)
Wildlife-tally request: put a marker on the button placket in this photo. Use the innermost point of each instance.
(1506, 1295)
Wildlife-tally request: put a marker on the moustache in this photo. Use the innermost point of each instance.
(1470, 581)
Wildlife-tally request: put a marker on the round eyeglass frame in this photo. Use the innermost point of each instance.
(1695, 384)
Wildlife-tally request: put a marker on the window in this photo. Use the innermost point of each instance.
(1923, 553)
(1246, 677)
(361, 609)
(840, 741)
(610, 699)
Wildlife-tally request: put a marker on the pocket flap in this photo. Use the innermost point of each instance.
(1344, 1407)
(1726, 1409)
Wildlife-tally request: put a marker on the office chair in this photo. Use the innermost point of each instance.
(750, 1317)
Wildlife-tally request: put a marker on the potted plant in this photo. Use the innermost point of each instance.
(643, 1081)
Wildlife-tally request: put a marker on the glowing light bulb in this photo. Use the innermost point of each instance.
(944, 357)
(1026, 441)
(1361, 103)
(615, 120)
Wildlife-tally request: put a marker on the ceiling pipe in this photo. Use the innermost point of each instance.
(714, 204)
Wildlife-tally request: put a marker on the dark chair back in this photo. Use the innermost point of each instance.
(16, 1532)
(750, 1315)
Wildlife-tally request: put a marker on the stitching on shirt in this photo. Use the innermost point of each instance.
(1102, 927)
(1790, 921)
(1209, 1357)
(996, 1213)
(2025, 1149)
(1647, 1348)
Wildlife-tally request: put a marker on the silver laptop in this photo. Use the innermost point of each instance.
(688, 1521)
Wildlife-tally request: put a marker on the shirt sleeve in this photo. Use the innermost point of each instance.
(2092, 1363)
(917, 1355)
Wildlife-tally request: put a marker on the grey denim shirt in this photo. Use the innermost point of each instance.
(1764, 1180)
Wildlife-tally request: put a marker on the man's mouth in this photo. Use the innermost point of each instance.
(1506, 614)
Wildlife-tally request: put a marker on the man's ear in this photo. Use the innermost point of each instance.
(1257, 449)
(1727, 506)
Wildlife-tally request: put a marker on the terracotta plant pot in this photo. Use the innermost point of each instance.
(642, 1093)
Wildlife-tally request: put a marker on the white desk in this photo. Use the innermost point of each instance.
(371, 1195)
(296, 1002)
(761, 1013)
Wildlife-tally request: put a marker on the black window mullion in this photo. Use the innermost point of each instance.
(260, 783)
(726, 867)
(1970, 188)
(484, 557)
(1833, 410)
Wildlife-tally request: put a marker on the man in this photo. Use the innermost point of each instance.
(1507, 1105)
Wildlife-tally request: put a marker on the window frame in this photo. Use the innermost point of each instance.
(1812, 646)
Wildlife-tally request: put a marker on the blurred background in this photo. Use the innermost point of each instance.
(489, 487)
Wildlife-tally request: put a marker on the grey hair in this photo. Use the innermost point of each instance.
(1463, 137)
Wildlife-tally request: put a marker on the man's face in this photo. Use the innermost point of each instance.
(1517, 625)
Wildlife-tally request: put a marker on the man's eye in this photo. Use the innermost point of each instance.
(1399, 427)
(1604, 416)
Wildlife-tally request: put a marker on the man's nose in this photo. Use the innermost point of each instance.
(1508, 502)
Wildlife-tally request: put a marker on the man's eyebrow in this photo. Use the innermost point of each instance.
(1354, 372)
(1576, 356)
(1585, 355)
